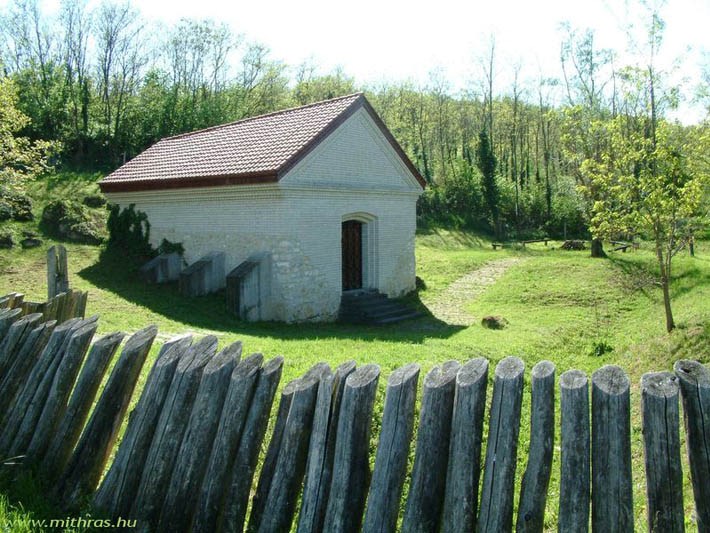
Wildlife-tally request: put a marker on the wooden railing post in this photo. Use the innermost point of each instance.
(533, 492)
(425, 501)
(464, 469)
(694, 379)
(351, 471)
(612, 489)
(573, 514)
(661, 438)
(496, 512)
(392, 450)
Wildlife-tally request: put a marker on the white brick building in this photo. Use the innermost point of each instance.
(323, 190)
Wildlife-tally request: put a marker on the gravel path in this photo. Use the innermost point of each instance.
(450, 305)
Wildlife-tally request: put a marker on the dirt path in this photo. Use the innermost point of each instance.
(450, 305)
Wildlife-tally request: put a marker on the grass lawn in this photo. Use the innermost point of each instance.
(562, 306)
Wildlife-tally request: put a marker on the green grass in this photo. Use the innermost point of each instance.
(561, 306)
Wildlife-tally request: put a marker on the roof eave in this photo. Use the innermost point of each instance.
(159, 184)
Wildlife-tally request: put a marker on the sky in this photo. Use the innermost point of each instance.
(395, 40)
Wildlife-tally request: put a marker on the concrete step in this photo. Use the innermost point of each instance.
(373, 308)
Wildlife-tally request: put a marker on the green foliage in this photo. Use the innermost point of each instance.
(94, 200)
(129, 234)
(168, 247)
(486, 161)
(20, 158)
(69, 220)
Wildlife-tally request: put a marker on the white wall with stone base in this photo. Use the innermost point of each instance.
(298, 220)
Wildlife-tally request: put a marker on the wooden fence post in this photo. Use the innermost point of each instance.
(169, 431)
(239, 483)
(694, 380)
(19, 422)
(7, 318)
(268, 467)
(196, 446)
(237, 403)
(71, 425)
(291, 463)
(426, 490)
(62, 384)
(15, 376)
(661, 438)
(496, 513)
(573, 514)
(16, 335)
(57, 272)
(536, 480)
(392, 450)
(351, 471)
(87, 463)
(120, 486)
(464, 470)
(321, 448)
(612, 489)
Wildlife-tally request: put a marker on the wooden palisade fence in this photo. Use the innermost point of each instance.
(188, 458)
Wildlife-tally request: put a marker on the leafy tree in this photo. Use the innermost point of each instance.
(20, 158)
(486, 161)
(646, 185)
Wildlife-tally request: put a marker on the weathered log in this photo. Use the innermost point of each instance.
(88, 461)
(234, 506)
(612, 496)
(575, 456)
(533, 492)
(661, 438)
(392, 450)
(351, 470)
(496, 513)
(27, 355)
(7, 318)
(196, 447)
(321, 449)
(426, 491)
(24, 413)
(285, 486)
(56, 404)
(237, 403)
(169, 431)
(16, 336)
(57, 272)
(464, 468)
(69, 429)
(269, 466)
(120, 486)
(694, 381)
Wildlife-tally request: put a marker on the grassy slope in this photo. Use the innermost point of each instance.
(559, 304)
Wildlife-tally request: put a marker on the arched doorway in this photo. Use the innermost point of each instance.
(351, 246)
(359, 251)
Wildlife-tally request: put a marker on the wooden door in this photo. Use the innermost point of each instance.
(351, 245)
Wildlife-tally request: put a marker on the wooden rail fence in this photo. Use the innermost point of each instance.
(188, 458)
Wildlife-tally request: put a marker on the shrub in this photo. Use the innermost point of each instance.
(70, 220)
(6, 240)
(129, 233)
(94, 200)
(5, 211)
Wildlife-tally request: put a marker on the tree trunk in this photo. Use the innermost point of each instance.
(665, 285)
(598, 248)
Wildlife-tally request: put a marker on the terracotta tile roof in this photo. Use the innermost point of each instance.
(254, 150)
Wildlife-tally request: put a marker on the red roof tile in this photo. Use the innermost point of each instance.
(253, 150)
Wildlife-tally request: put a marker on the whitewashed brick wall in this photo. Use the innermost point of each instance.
(298, 221)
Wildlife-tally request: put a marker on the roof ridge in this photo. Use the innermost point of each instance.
(248, 119)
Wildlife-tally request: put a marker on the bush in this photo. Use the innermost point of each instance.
(70, 220)
(94, 200)
(6, 240)
(129, 234)
(17, 205)
(5, 211)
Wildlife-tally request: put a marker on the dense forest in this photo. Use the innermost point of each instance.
(103, 85)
